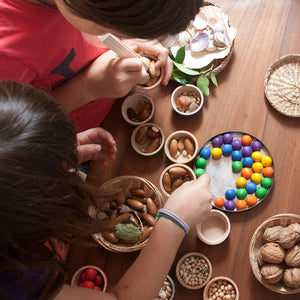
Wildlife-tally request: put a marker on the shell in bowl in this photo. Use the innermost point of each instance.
(181, 147)
(137, 109)
(279, 230)
(196, 264)
(174, 176)
(187, 100)
(132, 201)
(167, 291)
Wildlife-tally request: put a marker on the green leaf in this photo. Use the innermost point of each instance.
(177, 74)
(171, 55)
(202, 84)
(180, 55)
(213, 78)
(180, 80)
(185, 70)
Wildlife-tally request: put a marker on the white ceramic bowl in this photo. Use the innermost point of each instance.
(181, 157)
(76, 277)
(131, 102)
(215, 280)
(215, 229)
(143, 149)
(179, 91)
(190, 172)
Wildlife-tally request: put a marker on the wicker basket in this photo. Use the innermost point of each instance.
(257, 242)
(181, 280)
(121, 185)
(282, 85)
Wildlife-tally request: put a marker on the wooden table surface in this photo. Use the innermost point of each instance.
(267, 30)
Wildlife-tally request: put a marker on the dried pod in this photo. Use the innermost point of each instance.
(143, 114)
(153, 145)
(141, 135)
(272, 273)
(134, 220)
(151, 207)
(122, 218)
(145, 234)
(292, 257)
(135, 204)
(296, 228)
(189, 146)
(153, 132)
(173, 148)
(113, 216)
(291, 278)
(138, 192)
(110, 237)
(272, 234)
(176, 184)
(148, 219)
(287, 238)
(167, 182)
(181, 144)
(177, 171)
(272, 253)
(121, 200)
(131, 114)
(129, 242)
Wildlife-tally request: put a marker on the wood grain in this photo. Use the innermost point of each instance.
(267, 30)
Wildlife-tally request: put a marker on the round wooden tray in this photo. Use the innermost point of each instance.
(282, 85)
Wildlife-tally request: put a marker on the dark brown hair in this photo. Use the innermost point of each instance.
(146, 19)
(42, 196)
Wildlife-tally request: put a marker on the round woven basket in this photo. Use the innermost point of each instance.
(116, 187)
(282, 85)
(257, 242)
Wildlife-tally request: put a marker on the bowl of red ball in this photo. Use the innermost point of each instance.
(90, 277)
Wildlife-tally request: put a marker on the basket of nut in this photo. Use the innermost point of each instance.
(275, 253)
(193, 270)
(130, 213)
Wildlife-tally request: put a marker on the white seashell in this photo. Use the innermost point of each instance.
(192, 30)
(200, 21)
(199, 42)
(211, 46)
(219, 40)
(193, 106)
(184, 38)
(217, 28)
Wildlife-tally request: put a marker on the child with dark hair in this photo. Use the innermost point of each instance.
(42, 42)
(43, 199)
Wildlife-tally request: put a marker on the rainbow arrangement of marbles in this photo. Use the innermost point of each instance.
(255, 169)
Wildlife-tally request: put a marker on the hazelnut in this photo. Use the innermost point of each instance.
(272, 273)
(291, 277)
(272, 253)
(292, 258)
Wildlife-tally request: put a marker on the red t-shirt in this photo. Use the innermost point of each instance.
(40, 47)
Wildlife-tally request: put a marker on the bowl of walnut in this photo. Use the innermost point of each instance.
(193, 270)
(275, 253)
(187, 100)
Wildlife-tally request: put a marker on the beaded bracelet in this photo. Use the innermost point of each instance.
(174, 218)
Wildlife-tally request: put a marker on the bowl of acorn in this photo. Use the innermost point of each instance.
(147, 139)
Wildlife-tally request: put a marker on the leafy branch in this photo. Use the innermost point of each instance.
(184, 75)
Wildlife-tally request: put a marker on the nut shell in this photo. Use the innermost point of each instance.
(272, 273)
(292, 257)
(296, 228)
(291, 278)
(287, 238)
(272, 234)
(272, 253)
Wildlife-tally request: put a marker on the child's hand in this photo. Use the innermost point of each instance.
(156, 49)
(96, 144)
(191, 201)
(109, 76)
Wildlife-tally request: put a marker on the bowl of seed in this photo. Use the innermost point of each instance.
(221, 287)
(187, 100)
(167, 290)
(193, 270)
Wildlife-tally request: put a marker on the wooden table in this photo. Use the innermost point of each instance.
(267, 30)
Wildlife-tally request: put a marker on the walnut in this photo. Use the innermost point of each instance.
(272, 253)
(291, 277)
(292, 258)
(272, 234)
(296, 228)
(287, 237)
(272, 273)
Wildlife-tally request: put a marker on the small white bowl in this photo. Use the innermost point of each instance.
(75, 281)
(179, 91)
(190, 172)
(131, 102)
(171, 285)
(215, 280)
(181, 158)
(215, 229)
(142, 148)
